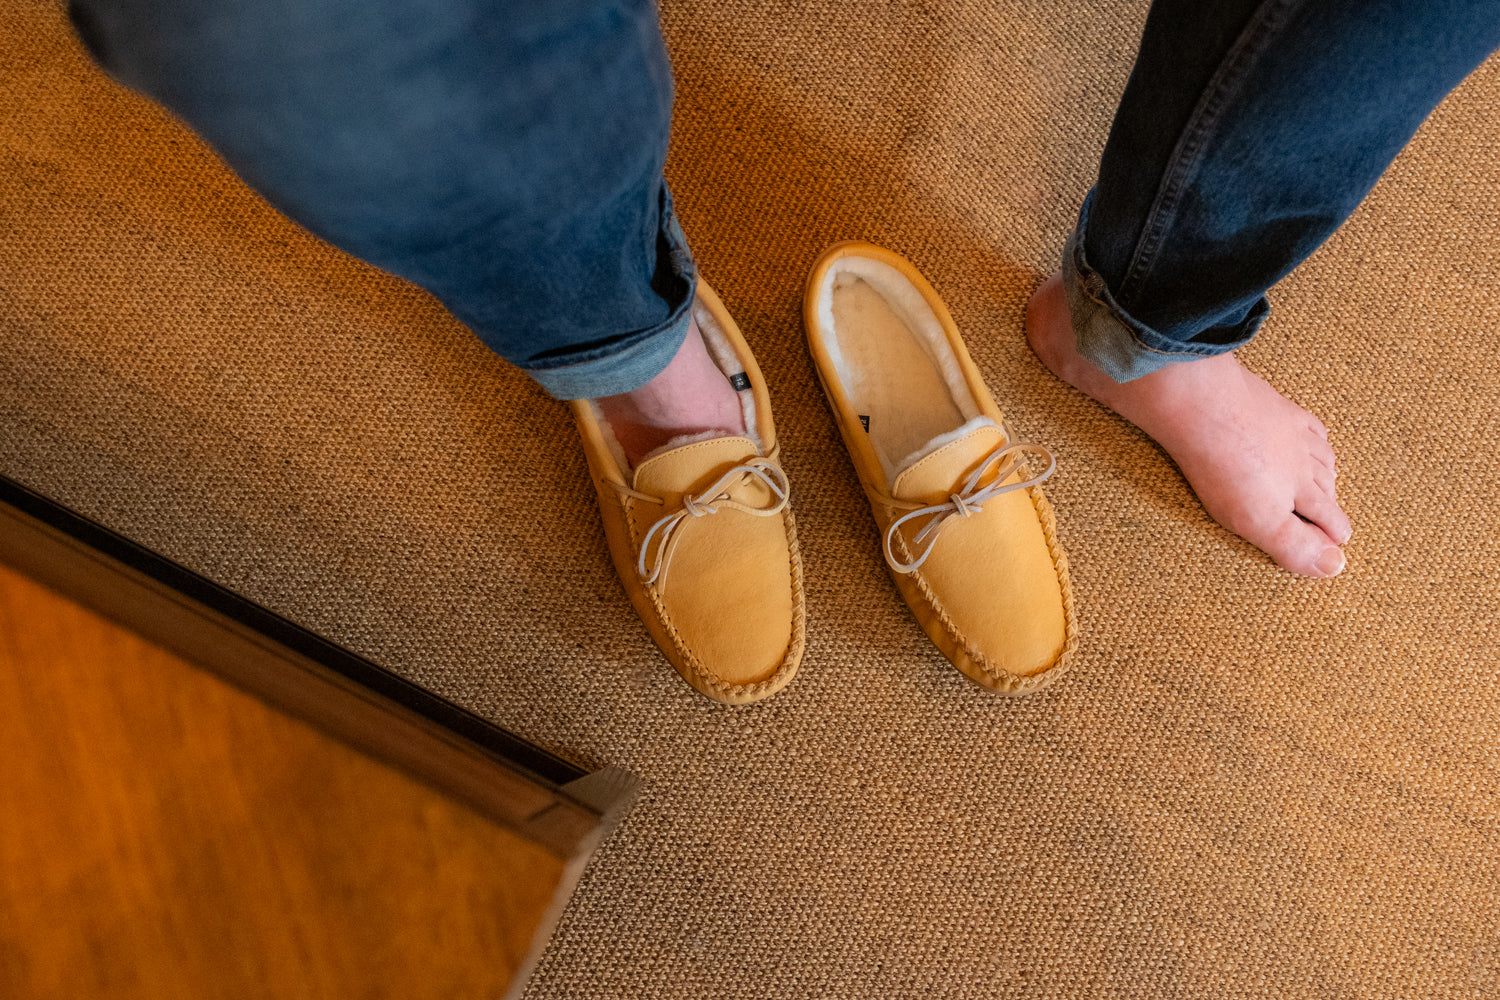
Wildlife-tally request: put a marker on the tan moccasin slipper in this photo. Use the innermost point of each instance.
(702, 536)
(968, 536)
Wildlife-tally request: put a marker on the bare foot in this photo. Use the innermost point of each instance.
(691, 396)
(1260, 463)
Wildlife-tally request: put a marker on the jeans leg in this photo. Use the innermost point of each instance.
(1249, 130)
(506, 155)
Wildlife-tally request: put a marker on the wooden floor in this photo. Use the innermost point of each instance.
(163, 835)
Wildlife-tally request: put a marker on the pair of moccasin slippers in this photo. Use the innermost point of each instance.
(705, 543)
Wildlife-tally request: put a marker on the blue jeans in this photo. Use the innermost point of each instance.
(507, 155)
(1248, 132)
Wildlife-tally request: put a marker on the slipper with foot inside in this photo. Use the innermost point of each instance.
(702, 536)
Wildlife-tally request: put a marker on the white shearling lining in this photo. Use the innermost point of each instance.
(729, 363)
(894, 360)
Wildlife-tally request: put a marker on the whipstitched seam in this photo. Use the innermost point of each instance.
(1063, 661)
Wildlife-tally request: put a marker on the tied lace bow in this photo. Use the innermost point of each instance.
(969, 500)
(653, 562)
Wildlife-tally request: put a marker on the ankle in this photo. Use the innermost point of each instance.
(691, 397)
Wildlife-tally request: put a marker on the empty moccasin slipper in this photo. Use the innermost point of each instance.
(968, 536)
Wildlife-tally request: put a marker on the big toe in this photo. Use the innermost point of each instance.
(1301, 547)
(1319, 506)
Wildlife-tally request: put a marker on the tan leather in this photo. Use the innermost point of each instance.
(728, 609)
(993, 593)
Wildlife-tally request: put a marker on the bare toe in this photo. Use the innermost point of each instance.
(1319, 507)
(1301, 547)
(1322, 451)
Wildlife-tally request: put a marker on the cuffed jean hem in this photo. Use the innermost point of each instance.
(627, 369)
(1116, 343)
(639, 357)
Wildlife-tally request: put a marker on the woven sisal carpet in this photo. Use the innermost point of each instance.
(1250, 786)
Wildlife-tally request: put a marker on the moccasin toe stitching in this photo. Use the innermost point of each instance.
(982, 657)
(735, 628)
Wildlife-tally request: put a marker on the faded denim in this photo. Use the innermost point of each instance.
(506, 155)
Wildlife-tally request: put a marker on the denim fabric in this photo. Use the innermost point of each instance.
(1249, 130)
(506, 155)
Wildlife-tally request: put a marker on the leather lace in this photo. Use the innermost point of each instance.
(666, 532)
(968, 501)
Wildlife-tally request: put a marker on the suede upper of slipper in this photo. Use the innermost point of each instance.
(990, 578)
(727, 594)
(973, 551)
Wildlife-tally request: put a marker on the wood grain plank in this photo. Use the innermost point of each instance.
(164, 835)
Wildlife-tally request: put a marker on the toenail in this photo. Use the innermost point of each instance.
(1331, 562)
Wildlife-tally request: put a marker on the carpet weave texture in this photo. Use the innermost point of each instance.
(1250, 785)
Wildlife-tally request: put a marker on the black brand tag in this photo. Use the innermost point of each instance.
(865, 421)
(740, 381)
